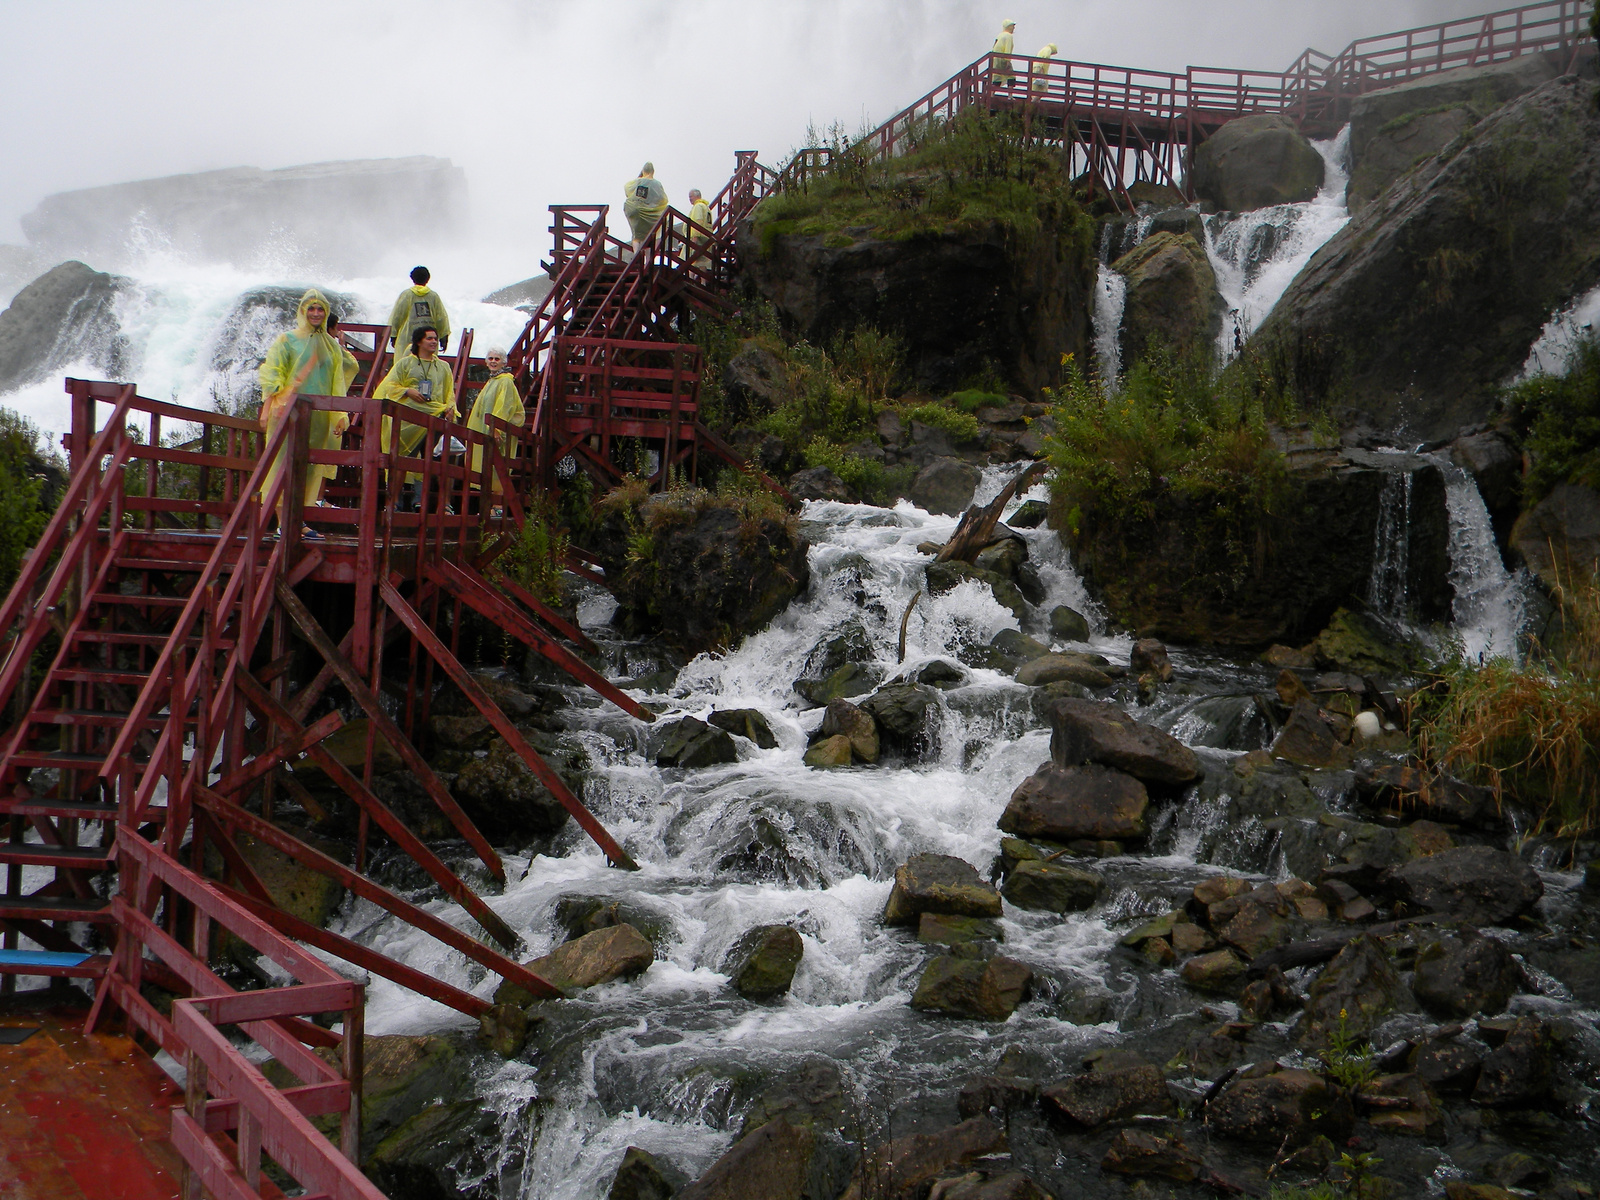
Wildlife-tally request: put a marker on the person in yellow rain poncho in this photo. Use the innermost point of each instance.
(415, 307)
(498, 398)
(306, 360)
(419, 380)
(644, 202)
(1005, 72)
(1041, 70)
(699, 214)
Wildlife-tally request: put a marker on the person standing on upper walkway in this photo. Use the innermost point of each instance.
(419, 380)
(1041, 70)
(645, 200)
(1003, 70)
(305, 360)
(415, 307)
(699, 223)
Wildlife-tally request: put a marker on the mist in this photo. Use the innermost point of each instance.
(545, 102)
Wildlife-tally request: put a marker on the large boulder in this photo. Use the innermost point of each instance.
(1521, 1071)
(938, 883)
(616, 952)
(1052, 886)
(1559, 537)
(946, 576)
(1064, 804)
(1355, 991)
(961, 302)
(980, 989)
(844, 719)
(641, 1176)
(1096, 1097)
(1142, 1153)
(1172, 298)
(1466, 974)
(505, 799)
(525, 294)
(907, 716)
(762, 963)
(819, 483)
(1087, 731)
(776, 1161)
(755, 382)
(1476, 884)
(689, 742)
(945, 486)
(1257, 162)
(1496, 467)
(1416, 312)
(905, 1168)
(1286, 1107)
(1401, 145)
(242, 338)
(66, 315)
(713, 573)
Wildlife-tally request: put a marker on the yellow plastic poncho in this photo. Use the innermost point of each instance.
(498, 398)
(418, 305)
(1004, 68)
(430, 376)
(644, 202)
(306, 360)
(1041, 72)
(700, 214)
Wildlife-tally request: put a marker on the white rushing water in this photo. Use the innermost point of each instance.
(1110, 294)
(1256, 255)
(1569, 325)
(1490, 609)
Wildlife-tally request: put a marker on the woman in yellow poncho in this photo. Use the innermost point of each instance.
(498, 398)
(419, 380)
(644, 203)
(305, 360)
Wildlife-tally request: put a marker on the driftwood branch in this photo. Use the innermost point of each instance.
(904, 620)
(977, 524)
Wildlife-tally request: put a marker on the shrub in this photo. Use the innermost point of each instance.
(537, 558)
(1559, 416)
(972, 399)
(23, 511)
(959, 425)
(872, 481)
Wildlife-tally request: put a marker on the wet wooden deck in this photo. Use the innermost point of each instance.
(82, 1117)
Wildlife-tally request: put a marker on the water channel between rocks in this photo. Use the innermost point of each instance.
(670, 1061)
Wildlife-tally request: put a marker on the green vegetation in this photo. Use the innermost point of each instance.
(869, 479)
(1176, 432)
(1559, 418)
(959, 425)
(1347, 1060)
(24, 506)
(969, 172)
(537, 558)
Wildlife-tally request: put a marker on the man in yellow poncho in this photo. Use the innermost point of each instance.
(415, 307)
(1041, 71)
(1005, 73)
(699, 214)
(498, 398)
(421, 380)
(305, 360)
(645, 200)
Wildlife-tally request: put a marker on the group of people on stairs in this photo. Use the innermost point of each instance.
(1004, 70)
(311, 360)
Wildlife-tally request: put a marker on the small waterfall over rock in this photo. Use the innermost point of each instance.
(1560, 336)
(1489, 612)
(1391, 553)
(1256, 255)
(1110, 294)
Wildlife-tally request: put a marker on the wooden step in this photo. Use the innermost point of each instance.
(119, 598)
(79, 674)
(34, 854)
(89, 716)
(55, 908)
(88, 810)
(66, 760)
(156, 641)
(173, 566)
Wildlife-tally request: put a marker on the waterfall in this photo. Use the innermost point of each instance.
(1490, 606)
(1561, 334)
(1110, 294)
(1391, 551)
(1256, 255)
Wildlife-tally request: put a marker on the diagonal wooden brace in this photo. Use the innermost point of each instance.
(542, 770)
(264, 762)
(364, 696)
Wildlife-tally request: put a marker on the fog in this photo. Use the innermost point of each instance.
(545, 102)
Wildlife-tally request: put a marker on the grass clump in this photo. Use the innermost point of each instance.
(1559, 418)
(959, 425)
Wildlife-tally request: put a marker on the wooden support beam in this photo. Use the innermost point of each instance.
(513, 737)
(448, 880)
(267, 760)
(364, 695)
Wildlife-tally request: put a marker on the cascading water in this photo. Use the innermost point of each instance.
(1560, 336)
(1110, 295)
(1256, 255)
(1489, 611)
(1391, 552)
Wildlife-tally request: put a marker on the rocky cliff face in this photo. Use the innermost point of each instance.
(66, 315)
(1167, 576)
(963, 303)
(1422, 306)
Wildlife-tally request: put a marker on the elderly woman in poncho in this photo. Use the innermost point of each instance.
(306, 360)
(498, 398)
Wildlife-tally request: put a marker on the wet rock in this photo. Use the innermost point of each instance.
(1003, 557)
(1144, 1153)
(424, 1156)
(852, 679)
(1356, 643)
(1307, 741)
(1084, 731)
(642, 1177)
(987, 1094)
(1256, 928)
(1286, 1107)
(1460, 1189)
(906, 714)
(819, 483)
(1061, 668)
(1403, 1104)
(348, 745)
(938, 883)
(976, 1185)
(944, 576)
(67, 315)
(1521, 1072)
(1064, 804)
(1068, 624)
(1017, 645)
(1052, 887)
(505, 799)
(1462, 975)
(1149, 657)
(1257, 162)
(690, 743)
(1171, 298)
(1447, 1066)
(814, 1095)
(619, 952)
(908, 1166)
(947, 930)
(503, 1029)
(1219, 888)
(984, 990)
(580, 915)
(829, 752)
(941, 674)
(1518, 1170)
(1390, 155)
(1475, 884)
(401, 1075)
(845, 719)
(746, 723)
(945, 486)
(762, 963)
(1559, 537)
(1439, 796)
(774, 1161)
(1031, 515)
(1291, 689)
(1096, 1097)
(1220, 971)
(1287, 658)
(1361, 983)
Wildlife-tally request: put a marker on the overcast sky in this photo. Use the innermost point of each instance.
(551, 102)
